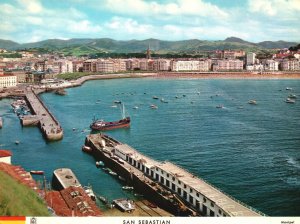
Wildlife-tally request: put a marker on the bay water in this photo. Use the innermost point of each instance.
(251, 152)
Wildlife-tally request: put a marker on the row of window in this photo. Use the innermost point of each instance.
(180, 191)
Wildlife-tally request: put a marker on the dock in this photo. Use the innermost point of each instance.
(168, 185)
(124, 205)
(64, 178)
(29, 120)
(48, 124)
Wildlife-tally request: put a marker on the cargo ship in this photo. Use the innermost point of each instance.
(101, 125)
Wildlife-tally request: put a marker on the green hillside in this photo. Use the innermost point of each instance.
(18, 200)
(107, 45)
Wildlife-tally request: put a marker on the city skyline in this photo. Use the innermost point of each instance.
(253, 20)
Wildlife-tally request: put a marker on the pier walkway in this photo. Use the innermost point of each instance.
(48, 124)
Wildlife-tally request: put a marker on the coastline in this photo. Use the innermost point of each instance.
(189, 75)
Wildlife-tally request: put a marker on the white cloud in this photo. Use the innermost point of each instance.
(128, 25)
(282, 8)
(32, 6)
(83, 26)
(179, 7)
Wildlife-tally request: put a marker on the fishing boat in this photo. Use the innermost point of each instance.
(155, 97)
(89, 191)
(37, 172)
(86, 148)
(152, 106)
(101, 125)
(289, 88)
(292, 96)
(99, 163)
(289, 100)
(127, 188)
(253, 102)
(219, 106)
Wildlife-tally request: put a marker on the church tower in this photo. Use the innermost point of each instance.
(148, 53)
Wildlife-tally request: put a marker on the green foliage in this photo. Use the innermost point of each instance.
(11, 55)
(295, 48)
(74, 75)
(18, 200)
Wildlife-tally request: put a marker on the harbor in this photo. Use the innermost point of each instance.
(211, 149)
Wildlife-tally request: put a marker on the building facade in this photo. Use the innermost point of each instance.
(8, 81)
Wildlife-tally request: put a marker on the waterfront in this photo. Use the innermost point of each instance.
(250, 153)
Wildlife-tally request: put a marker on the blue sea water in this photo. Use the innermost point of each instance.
(248, 151)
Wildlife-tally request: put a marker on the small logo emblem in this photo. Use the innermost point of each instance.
(33, 220)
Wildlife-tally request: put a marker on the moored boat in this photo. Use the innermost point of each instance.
(86, 148)
(289, 100)
(292, 96)
(127, 188)
(219, 106)
(253, 102)
(1, 122)
(37, 172)
(89, 191)
(101, 125)
(152, 106)
(99, 164)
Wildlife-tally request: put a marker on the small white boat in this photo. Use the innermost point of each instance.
(289, 88)
(112, 173)
(152, 106)
(17, 142)
(220, 106)
(135, 107)
(99, 164)
(292, 96)
(89, 191)
(289, 100)
(127, 188)
(253, 102)
(155, 97)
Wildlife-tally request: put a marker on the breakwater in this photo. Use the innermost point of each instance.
(48, 124)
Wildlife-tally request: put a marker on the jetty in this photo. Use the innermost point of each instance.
(64, 178)
(166, 184)
(48, 124)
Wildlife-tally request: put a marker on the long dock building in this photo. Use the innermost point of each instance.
(166, 178)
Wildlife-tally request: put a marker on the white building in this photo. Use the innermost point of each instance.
(229, 65)
(5, 156)
(190, 65)
(255, 67)
(8, 81)
(270, 65)
(202, 196)
(250, 59)
(290, 65)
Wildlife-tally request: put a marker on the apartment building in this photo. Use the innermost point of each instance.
(8, 81)
(270, 65)
(251, 58)
(290, 65)
(190, 65)
(228, 65)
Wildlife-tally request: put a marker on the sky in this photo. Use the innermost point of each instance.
(26, 21)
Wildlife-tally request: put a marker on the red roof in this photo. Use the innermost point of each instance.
(5, 153)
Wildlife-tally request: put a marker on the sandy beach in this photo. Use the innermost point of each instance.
(229, 75)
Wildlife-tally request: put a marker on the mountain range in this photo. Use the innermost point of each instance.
(78, 46)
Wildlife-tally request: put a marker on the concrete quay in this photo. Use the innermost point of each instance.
(49, 126)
